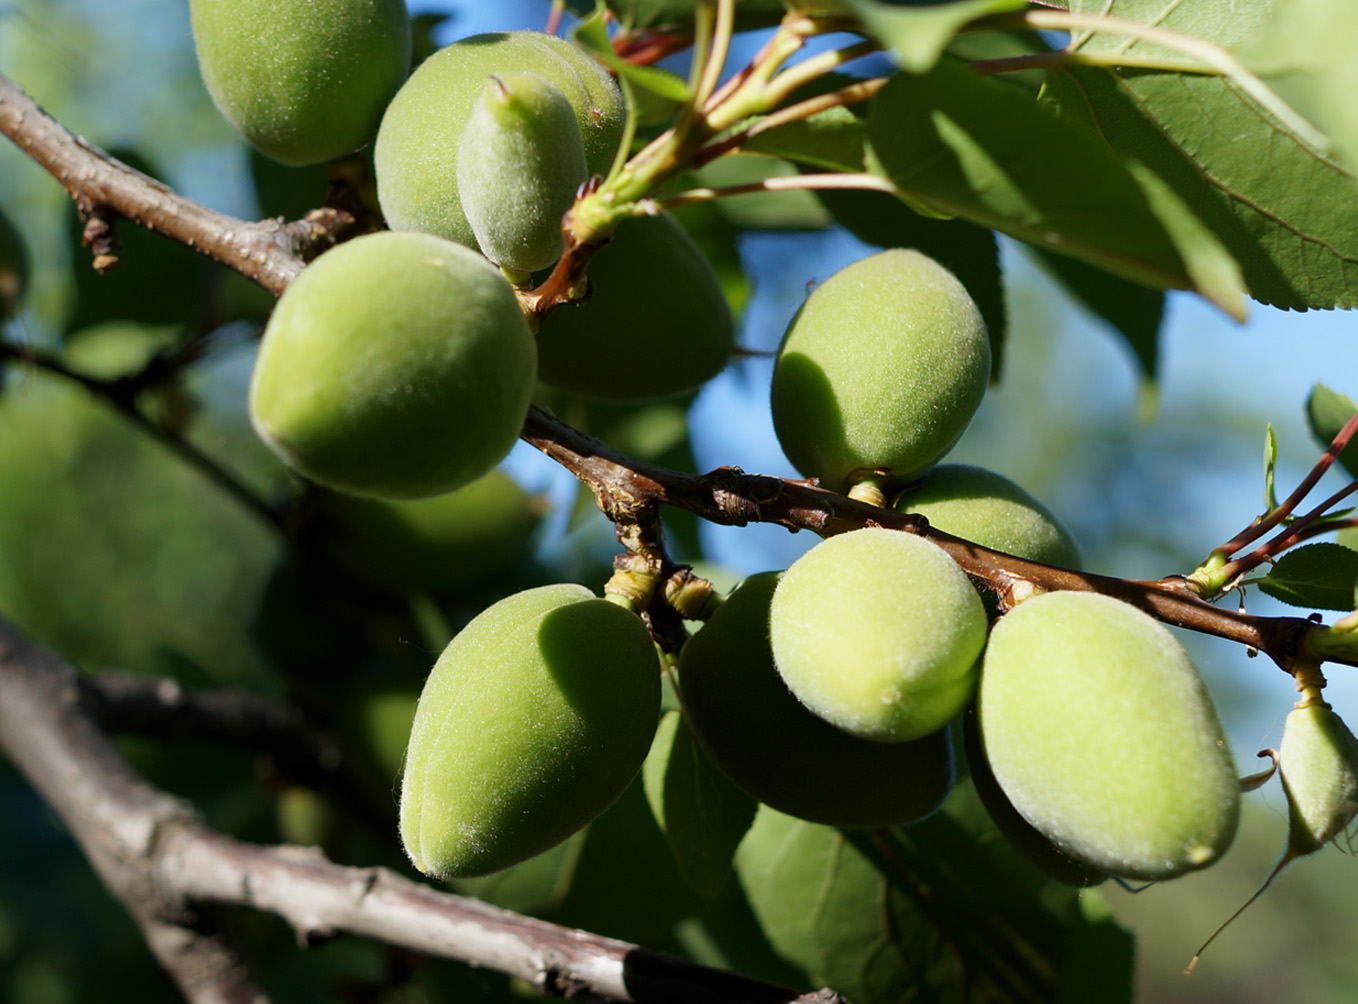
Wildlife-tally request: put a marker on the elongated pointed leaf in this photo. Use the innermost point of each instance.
(1327, 412)
(1317, 576)
(983, 150)
(1285, 210)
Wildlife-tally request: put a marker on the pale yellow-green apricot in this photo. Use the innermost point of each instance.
(771, 746)
(302, 82)
(1101, 733)
(519, 166)
(881, 369)
(13, 268)
(437, 544)
(988, 509)
(535, 719)
(656, 323)
(396, 365)
(416, 154)
(1318, 760)
(878, 632)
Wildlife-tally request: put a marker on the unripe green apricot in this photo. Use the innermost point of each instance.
(1318, 760)
(13, 268)
(519, 166)
(988, 509)
(534, 720)
(878, 632)
(416, 154)
(771, 746)
(635, 337)
(881, 369)
(436, 544)
(1102, 734)
(396, 365)
(302, 82)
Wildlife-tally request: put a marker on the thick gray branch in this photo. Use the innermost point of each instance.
(156, 856)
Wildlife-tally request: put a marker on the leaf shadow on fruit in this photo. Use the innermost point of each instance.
(809, 418)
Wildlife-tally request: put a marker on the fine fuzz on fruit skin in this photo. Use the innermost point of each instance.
(878, 632)
(988, 509)
(534, 720)
(416, 154)
(302, 82)
(881, 369)
(396, 365)
(633, 339)
(1318, 760)
(1102, 734)
(770, 745)
(519, 165)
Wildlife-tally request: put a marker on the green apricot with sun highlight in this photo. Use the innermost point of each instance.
(519, 165)
(302, 82)
(881, 369)
(416, 155)
(1103, 736)
(1318, 760)
(988, 509)
(395, 365)
(776, 750)
(535, 719)
(633, 338)
(878, 632)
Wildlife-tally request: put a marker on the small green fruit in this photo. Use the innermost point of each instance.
(1318, 759)
(396, 365)
(881, 369)
(1102, 734)
(438, 544)
(534, 720)
(988, 509)
(302, 82)
(634, 339)
(519, 165)
(878, 632)
(416, 155)
(770, 745)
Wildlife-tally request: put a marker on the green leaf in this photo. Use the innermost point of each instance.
(1327, 412)
(1285, 211)
(677, 15)
(1317, 576)
(968, 251)
(983, 150)
(702, 814)
(1002, 932)
(592, 35)
(1270, 464)
(794, 209)
(831, 140)
(1132, 310)
(919, 32)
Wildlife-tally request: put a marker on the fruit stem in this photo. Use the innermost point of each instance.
(869, 487)
(1310, 683)
(633, 582)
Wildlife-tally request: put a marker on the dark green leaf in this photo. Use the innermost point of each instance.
(1132, 310)
(968, 251)
(1327, 412)
(796, 209)
(702, 814)
(13, 267)
(919, 32)
(831, 140)
(677, 15)
(983, 150)
(592, 34)
(1287, 213)
(1317, 576)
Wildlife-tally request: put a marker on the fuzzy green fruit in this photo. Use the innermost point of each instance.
(13, 268)
(415, 156)
(988, 509)
(534, 720)
(396, 365)
(881, 369)
(634, 339)
(1102, 734)
(770, 745)
(519, 166)
(878, 632)
(438, 544)
(1318, 759)
(302, 82)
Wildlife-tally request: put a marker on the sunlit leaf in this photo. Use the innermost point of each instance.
(1327, 412)
(1317, 576)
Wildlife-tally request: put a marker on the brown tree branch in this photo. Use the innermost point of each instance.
(155, 855)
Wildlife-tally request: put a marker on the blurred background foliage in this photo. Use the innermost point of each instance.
(116, 552)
